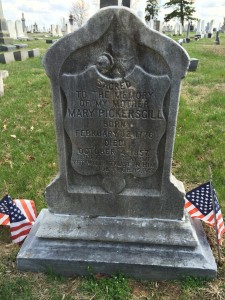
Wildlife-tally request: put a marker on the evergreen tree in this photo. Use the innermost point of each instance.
(152, 10)
(182, 9)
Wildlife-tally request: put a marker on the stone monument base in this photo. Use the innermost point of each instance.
(6, 40)
(152, 249)
(4, 34)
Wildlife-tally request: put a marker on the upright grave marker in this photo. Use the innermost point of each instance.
(4, 32)
(19, 30)
(115, 206)
(12, 29)
(104, 3)
(126, 3)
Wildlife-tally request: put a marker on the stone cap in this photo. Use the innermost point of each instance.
(175, 56)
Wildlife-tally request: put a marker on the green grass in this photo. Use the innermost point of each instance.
(106, 288)
(28, 163)
(28, 156)
(200, 139)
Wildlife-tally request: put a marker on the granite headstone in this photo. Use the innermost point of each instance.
(104, 3)
(53, 30)
(1, 86)
(19, 30)
(4, 32)
(12, 29)
(115, 206)
(6, 58)
(34, 52)
(7, 48)
(217, 39)
(126, 3)
(3, 74)
(20, 55)
(23, 23)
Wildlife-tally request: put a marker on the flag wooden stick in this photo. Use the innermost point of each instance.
(214, 210)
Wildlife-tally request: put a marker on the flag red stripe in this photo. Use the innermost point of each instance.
(25, 233)
(34, 208)
(220, 226)
(194, 210)
(187, 204)
(26, 209)
(222, 232)
(197, 217)
(211, 218)
(18, 227)
(4, 219)
(219, 217)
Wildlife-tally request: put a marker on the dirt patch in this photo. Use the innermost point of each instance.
(196, 94)
(200, 93)
(215, 49)
(140, 290)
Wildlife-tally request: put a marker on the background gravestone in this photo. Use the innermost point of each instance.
(12, 29)
(104, 3)
(4, 33)
(115, 206)
(19, 29)
(126, 3)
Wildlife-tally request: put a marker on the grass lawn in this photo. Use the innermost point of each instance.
(28, 163)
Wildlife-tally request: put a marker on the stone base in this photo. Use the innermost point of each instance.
(4, 33)
(20, 55)
(193, 65)
(20, 46)
(34, 52)
(7, 57)
(166, 254)
(6, 40)
(7, 47)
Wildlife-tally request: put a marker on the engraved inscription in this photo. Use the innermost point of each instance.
(115, 125)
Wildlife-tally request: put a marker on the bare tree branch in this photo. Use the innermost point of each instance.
(79, 12)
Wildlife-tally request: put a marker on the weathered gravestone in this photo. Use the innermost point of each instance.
(19, 30)
(34, 52)
(20, 55)
(4, 32)
(12, 29)
(217, 39)
(114, 206)
(7, 57)
(7, 47)
(126, 3)
(1, 86)
(104, 3)
(3, 74)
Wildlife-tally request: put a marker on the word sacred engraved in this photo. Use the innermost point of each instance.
(114, 125)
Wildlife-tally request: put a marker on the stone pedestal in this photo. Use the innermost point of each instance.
(21, 55)
(7, 57)
(142, 249)
(4, 33)
(115, 206)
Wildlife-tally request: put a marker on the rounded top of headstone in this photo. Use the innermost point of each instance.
(118, 19)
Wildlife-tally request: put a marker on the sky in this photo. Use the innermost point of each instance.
(47, 12)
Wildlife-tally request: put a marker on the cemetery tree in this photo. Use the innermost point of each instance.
(79, 12)
(183, 10)
(152, 10)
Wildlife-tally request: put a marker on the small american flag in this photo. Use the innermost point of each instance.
(19, 215)
(198, 203)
